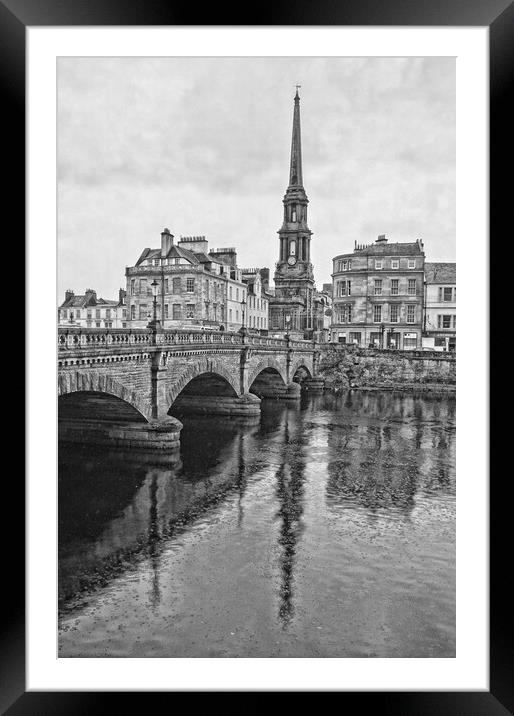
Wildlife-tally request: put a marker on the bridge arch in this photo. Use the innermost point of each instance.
(92, 382)
(300, 364)
(178, 380)
(266, 364)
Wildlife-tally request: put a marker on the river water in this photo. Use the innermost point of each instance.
(324, 529)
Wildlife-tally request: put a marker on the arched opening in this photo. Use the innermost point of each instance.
(90, 405)
(268, 384)
(207, 393)
(301, 374)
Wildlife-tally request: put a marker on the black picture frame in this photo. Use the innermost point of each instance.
(498, 15)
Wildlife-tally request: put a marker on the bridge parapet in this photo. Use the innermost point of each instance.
(71, 338)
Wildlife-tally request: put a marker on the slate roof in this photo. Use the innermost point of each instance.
(86, 300)
(440, 273)
(387, 249)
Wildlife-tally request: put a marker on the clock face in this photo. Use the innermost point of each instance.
(291, 260)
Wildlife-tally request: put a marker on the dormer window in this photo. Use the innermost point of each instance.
(395, 263)
(378, 264)
(412, 263)
(156, 262)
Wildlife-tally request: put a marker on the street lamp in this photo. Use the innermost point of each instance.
(382, 329)
(288, 322)
(154, 323)
(243, 304)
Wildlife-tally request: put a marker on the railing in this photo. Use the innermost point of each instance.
(108, 338)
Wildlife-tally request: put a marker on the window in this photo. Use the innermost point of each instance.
(97, 313)
(412, 263)
(355, 338)
(133, 286)
(378, 287)
(156, 262)
(77, 313)
(377, 314)
(190, 284)
(454, 321)
(142, 286)
(395, 263)
(177, 284)
(108, 324)
(107, 312)
(176, 311)
(230, 314)
(132, 313)
(166, 285)
(378, 263)
(230, 292)
(177, 262)
(411, 313)
(394, 313)
(124, 325)
(65, 313)
(97, 324)
(89, 315)
(88, 324)
(190, 310)
(409, 341)
(124, 313)
(237, 294)
(394, 287)
(411, 287)
(445, 321)
(447, 293)
(143, 311)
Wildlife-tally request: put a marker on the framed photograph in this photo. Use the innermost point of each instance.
(255, 461)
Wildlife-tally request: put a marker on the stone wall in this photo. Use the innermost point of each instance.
(377, 369)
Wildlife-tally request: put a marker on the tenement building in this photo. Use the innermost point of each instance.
(378, 295)
(258, 297)
(440, 322)
(294, 309)
(88, 311)
(192, 286)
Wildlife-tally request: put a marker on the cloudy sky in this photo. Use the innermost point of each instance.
(201, 146)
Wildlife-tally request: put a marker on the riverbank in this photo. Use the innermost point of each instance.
(410, 371)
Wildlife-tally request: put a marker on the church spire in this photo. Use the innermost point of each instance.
(295, 171)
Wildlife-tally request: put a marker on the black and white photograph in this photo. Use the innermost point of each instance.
(257, 340)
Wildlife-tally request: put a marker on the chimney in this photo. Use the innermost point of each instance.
(90, 293)
(121, 295)
(166, 242)
(68, 294)
(381, 239)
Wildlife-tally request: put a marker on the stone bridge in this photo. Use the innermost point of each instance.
(129, 387)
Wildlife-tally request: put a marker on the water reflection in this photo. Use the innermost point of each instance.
(329, 523)
(385, 448)
(290, 493)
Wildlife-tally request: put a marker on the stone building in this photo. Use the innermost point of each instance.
(88, 311)
(378, 295)
(295, 308)
(440, 321)
(194, 287)
(258, 298)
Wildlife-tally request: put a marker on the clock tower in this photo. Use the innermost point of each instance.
(292, 309)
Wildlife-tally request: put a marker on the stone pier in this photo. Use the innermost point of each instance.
(314, 385)
(245, 406)
(163, 434)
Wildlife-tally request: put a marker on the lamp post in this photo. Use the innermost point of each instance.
(288, 322)
(382, 329)
(154, 324)
(243, 305)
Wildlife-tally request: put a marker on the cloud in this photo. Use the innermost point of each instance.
(202, 145)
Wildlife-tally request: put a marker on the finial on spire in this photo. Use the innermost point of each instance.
(295, 172)
(297, 95)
